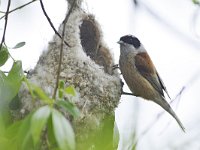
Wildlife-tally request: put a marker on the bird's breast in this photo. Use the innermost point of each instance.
(138, 85)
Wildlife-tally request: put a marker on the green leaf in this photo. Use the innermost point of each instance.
(13, 129)
(10, 84)
(24, 138)
(20, 135)
(16, 73)
(102, 138)
(70, 90)
(61, 84)
(4, 55)
(196, 1)
(2, 125)
(19, 45)
(50, 134)
(11, 134)
(69, 107)
(63, 131)
(41, 94)
(4, 143)
(60, 93)
(61, 89)
(38, 121)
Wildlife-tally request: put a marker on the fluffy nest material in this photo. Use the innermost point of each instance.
(87, 65)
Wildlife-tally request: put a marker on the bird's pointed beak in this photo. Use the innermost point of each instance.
(119, 42)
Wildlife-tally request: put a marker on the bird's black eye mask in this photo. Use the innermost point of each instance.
(131, 40)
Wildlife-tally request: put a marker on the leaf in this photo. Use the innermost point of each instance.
(9, 85)
(41, 94)
(24, 140)
(19, 134)
(50, 133)
(101, 138)
(16, 73)
(38, 121)
(60, 93)
(70, 90)
(19, 45)
(61, 89)
(61, 84)
(2, 125)
(13, 129)
(5, 144)
(4, 55)
(9, 135)
(69, 107)
(63, 131)
(196, 2)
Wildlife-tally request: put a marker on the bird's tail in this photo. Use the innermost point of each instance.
(164, 104)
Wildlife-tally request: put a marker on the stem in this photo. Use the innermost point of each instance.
(17, 8)
(5, 25)
(61, 49)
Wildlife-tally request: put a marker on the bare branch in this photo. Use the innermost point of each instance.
(126, 93)
(62, 46)
(186, 86)
(20, 7)
(51, 24)
(5, 25)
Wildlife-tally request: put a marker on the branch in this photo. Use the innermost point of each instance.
(62, 46)
(185, 87)
(126, 93)
(122, 91)
(5, 25)
(51, 24)
(17, 8)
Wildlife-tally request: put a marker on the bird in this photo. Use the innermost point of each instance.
(141, 75)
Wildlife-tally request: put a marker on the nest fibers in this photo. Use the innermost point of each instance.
(87, 65)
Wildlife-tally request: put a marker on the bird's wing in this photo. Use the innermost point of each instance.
(146, 68)
(162, 85)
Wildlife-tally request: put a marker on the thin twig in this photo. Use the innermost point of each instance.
(126, 93)
(51, 24)
(5, 25)
(17, 8)
(62, 46)
(122, 91)
(186, 86)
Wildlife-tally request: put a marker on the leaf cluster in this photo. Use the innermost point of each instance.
(46, 126)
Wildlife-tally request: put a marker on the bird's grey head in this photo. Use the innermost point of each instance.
(131, 40)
